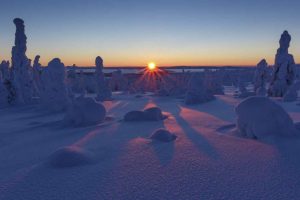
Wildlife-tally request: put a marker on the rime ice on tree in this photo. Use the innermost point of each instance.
(292, 93)
(3, 93)
(102, 87)
(197, 93)
(36, 74)
(21, 65)
(4, 70)
(260, 78)
(118, 81)
(284, 69)
(54, 94)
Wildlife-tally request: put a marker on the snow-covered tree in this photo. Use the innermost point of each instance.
(284, 69)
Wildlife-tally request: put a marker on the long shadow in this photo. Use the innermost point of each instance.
(200, 142)
(196, 137)
(164, 152)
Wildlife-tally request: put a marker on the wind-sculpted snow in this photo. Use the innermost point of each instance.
(85, 111)
(261, 118)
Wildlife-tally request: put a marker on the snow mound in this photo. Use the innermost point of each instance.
(85, 111)
(134, 116)
(163, 135)
(70, 156)
(150, 114)
(260, 117)
(153, 114)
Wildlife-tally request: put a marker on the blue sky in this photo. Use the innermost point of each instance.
(168, 32)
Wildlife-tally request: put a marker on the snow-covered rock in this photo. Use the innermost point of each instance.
(134, 115)
(284, 70)
(21, 67)
(70, 156)
(150, 114)
(85, 111)
(153, 114)
(54, 93)
(260, 118)
(163, 135)
(197, 93)
(292, 93)
(102, 86)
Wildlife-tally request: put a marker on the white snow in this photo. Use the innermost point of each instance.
(292, 93)
(284, 70)
(54, 92)
(197, 93)
(85, 111)
(70, 156)
(149, 114)
(202, 163)
(162, 135)
(260, 118)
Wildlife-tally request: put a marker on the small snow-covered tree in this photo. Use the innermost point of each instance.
(102, 85)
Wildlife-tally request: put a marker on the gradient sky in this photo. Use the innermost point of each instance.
(168, 32)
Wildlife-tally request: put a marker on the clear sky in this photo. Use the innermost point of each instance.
(168, 32)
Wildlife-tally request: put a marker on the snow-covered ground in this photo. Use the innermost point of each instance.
(117, 160)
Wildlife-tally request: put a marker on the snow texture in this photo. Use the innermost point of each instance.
(260, 118)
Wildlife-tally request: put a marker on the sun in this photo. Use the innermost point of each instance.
(151, 66)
